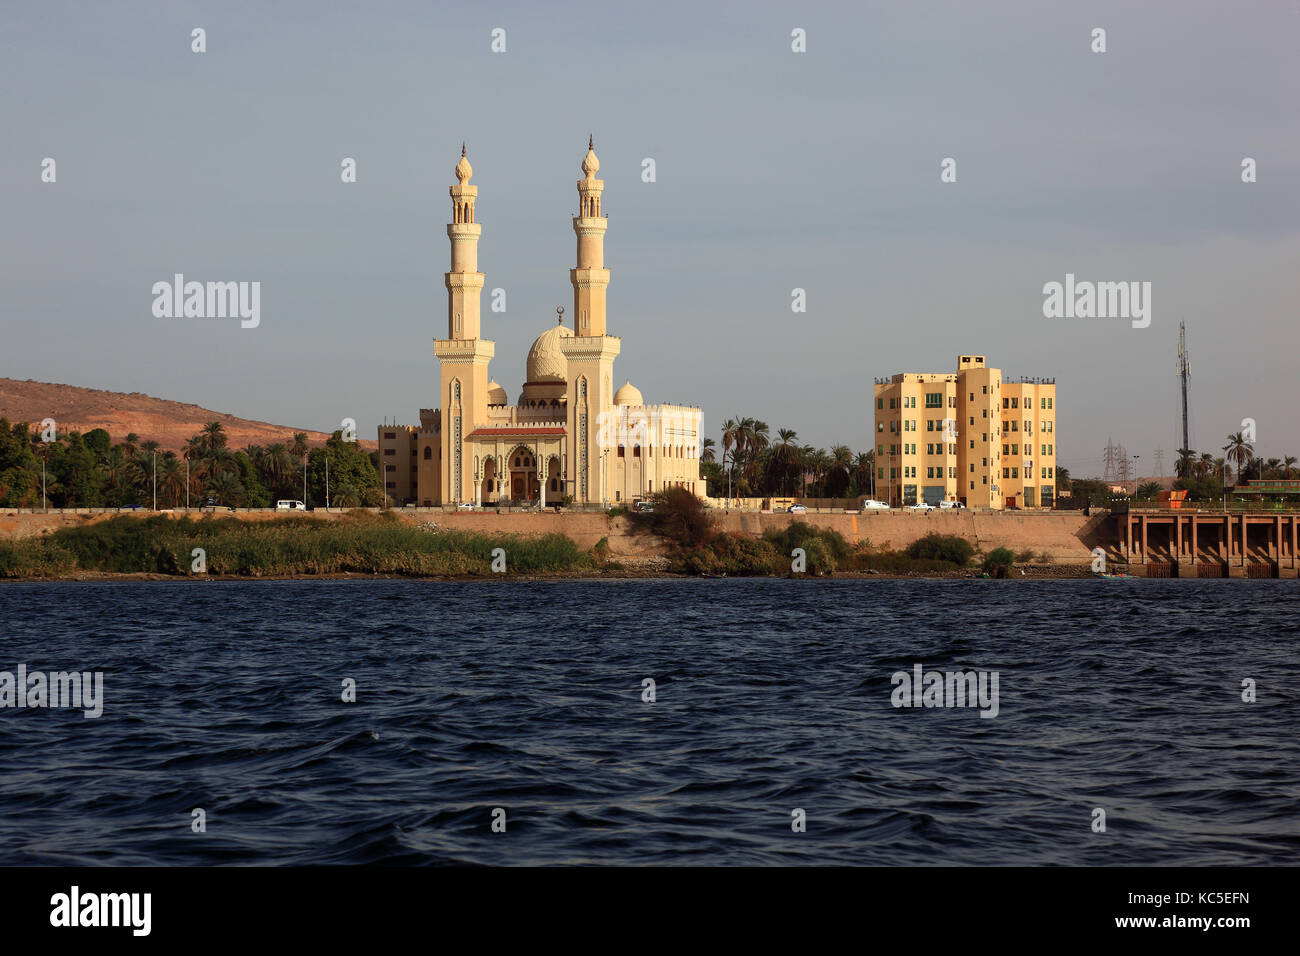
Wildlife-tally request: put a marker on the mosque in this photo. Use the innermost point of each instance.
(570, 437)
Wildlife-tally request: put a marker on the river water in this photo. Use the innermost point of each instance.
(526, 703)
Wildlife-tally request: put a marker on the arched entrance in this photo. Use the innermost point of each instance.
(523, 474)
(554, 483)
(490, 490)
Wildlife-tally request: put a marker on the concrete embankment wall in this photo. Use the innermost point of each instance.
(1065, 537)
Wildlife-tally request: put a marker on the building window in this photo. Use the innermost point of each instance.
(934, 400)
(636, 451)
(390, 434)
(880, 403)
(390, 468)
(428, 452)
(390, 451)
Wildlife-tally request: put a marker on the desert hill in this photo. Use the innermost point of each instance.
(171, 424)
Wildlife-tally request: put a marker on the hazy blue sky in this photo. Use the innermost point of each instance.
(775, 170)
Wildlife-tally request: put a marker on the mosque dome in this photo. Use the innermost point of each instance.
(463, 169)
(546, 363)
(496, 395)
(590, 164)
(629, 394)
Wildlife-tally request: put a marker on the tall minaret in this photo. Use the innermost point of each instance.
(464, 281)
(591, 277)
(590, 352)
(463, 355)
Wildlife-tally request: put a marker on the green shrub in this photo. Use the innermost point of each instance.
(940, 547)
(679, 516)
(999, 562)
(798, 534)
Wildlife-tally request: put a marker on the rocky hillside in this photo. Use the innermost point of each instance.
(169, 423)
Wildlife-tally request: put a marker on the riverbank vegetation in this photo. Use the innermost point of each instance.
(701, 547)
(359, 542)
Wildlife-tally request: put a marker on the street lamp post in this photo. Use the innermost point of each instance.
(155, 481)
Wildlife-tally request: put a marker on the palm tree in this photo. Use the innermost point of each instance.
(1288, 465)
(862, 470)
(707, 449)
(214, 436)
(821, 463)
(129, 444)
(276, 466)
(730, 436)
(171, 479)
(1240, 452)
(1062, 479)
(298, 447)
(226, 489)
(1183, 467)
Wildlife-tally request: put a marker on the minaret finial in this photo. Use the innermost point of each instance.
(559, 316)
(462, 148)
(590, 138)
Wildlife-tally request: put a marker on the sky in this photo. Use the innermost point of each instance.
(775, 170)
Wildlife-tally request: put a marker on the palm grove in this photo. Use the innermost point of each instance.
(90, 471)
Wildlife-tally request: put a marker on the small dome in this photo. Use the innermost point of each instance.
(629, 394)
(546, 363)
(590, 164)
(496, 395)
(463, 169)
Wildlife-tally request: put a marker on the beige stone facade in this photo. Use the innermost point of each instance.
(967, 436)
(570, 436)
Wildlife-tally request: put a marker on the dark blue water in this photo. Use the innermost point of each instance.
(771, 695)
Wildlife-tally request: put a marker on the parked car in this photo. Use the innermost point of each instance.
(953, 504)
(129, 507)
(796, 509)
(287, 505)
(871, 504)
(467, 506)
(921, 506)
(645, 506)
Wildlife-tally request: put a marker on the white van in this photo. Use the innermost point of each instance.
(871, 504)
(290, 506)
(951, 504)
